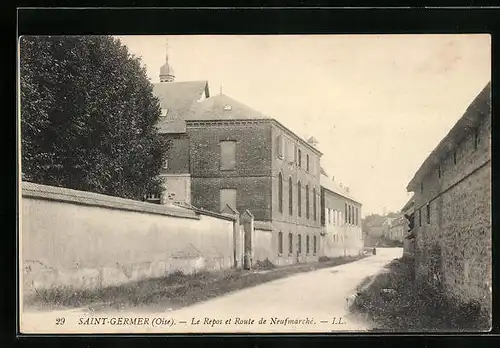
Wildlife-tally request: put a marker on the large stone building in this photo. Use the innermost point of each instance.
(340, 220)
(452, 204)
(224, 153)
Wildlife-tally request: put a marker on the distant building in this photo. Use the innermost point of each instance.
(340, 220)
(452, 203)
(395, 228)
(225, 153)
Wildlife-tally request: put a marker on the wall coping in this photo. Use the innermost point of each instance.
(263, 225)
(60, 194)
(206, 212)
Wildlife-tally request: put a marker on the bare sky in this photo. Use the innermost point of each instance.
(378, 105)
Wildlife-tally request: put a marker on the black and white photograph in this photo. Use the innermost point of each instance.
(180, 184)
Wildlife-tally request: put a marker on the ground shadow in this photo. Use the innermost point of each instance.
(393, 301)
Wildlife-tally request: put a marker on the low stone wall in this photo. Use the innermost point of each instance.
(86, 240)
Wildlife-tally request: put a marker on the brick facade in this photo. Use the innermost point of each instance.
(287, 165)
(453, 212)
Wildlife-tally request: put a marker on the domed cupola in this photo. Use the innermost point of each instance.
(167, 73)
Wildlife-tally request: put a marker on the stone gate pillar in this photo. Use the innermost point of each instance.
(247, 220)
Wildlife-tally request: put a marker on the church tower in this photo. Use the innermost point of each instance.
(167, 73)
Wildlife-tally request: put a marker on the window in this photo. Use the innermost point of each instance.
(299, 199)
(420, 217)
(151, 196)
(294, 154)
(422, 187)
(307, 244)
(290, 196)
(280, 192)
(227, 155)
(280, 143)
(307, 162)
(164, 112)
(307, 201)
(454, 157)
(428, 208)
(314, 204)
(328, 215)
(227, 197)
(439, 171)
(289, 151)
(165, 164)
(345, 215)
(356, 221)
(290, 243)
(476, 138)
(299, 244)
(314, 245)
(334, 217)
(280, 243)
(349, 218)
(299, 154)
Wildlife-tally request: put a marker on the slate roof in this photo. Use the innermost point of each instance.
(214, 108)
(179, 98)
(477, 110)
(329, 184)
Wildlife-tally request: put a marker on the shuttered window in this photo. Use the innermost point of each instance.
(227, 155)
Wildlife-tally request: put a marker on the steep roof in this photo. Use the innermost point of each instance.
(222, 107)
(331, 185)
(477, 110)
(179, 98)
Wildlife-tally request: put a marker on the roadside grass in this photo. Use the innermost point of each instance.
(393, 302)
(175, 290)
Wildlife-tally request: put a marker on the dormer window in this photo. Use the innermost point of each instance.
(164, 112)
(227, 107)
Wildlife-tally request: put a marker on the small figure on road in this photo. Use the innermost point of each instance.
(374, 251)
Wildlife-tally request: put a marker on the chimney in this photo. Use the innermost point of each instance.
(333, 178)
(347, 189)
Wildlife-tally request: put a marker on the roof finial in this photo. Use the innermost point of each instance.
(166, 49)
(221, 89)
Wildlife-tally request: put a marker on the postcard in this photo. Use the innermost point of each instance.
(254, 184)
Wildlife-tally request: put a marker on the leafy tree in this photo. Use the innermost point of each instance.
(88, 117)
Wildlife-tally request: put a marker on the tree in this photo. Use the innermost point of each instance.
(88, 117)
